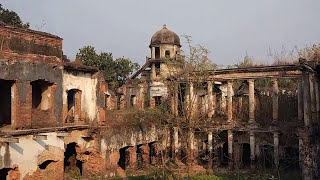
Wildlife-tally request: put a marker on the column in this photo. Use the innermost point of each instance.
(192, 145)
(313, 99)
(176, 141)
(176, 100)
(300, 100)
(192, 99)
(275, 100)
(276, 148)
(229, 100)
(230, 148)
(210, 150)
(252, 150)
(251, 101)
(306, 99)
(132, 157)
(153, 54)
(210, 99)
(223, 101)
(153, 71)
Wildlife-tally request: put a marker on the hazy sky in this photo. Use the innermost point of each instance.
(227, 28)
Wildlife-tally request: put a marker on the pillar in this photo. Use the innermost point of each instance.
(192, 145)
(175, 98)
(153, 71)
(275, 100)
(306, 99)
(276, 149)
(132, 157)
(252, 150)
(210, 99)
(251, 102)
(192, 99)
(312, 98)
(223, 101)
(230, 148)
(229, 101)
(145, 153)
(300, 100)
(153, 54)
(210, 150)
(176, 141)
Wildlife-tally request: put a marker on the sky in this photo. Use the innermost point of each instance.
(229, 29)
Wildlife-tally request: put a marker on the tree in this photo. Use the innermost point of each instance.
(11, 18)
(115, 71)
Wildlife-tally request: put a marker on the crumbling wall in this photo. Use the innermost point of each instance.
(86, 83)
(23, 73)
(29, 156)
(23, 42)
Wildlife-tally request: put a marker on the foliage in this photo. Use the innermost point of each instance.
(310, 52)
(11, 18)
(246, 62)
(115, 71)
(197, 59)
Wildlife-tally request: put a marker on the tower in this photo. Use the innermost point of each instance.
(164, 46)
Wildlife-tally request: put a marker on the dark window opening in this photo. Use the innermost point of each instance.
(181, 97)
(157, 52)
(132, 100)
(157, 66)
(290, 158)
(152, 153)
(157, 100)
(107, 102)
(45, 164)
(5, 102)
(167, 54)
(4, 173)
(71, 163)
(71, 98)
(124, 157)
(40, 94)
(267, 156)
(139, 156)
(74, 105)
(246, 155)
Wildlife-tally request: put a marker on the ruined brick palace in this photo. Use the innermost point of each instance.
(55, 114)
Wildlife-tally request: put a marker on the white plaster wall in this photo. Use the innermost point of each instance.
(25, 153)
(158, 89)
(88, 85)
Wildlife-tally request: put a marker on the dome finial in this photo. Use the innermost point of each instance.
(164, 26)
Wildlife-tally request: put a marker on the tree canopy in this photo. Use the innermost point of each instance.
(115, 71)
(11, 18)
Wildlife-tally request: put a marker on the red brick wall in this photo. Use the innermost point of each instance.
(16, 42)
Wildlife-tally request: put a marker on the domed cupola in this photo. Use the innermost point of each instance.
(164, 44)
(165, 36)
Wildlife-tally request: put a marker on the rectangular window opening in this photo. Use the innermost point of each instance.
(157, 52)
(40, 94)
(5, 102)
(167, 54)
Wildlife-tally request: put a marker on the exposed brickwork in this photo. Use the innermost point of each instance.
(132, 157)
(22, 111)
(25, 41)
(14, 173)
